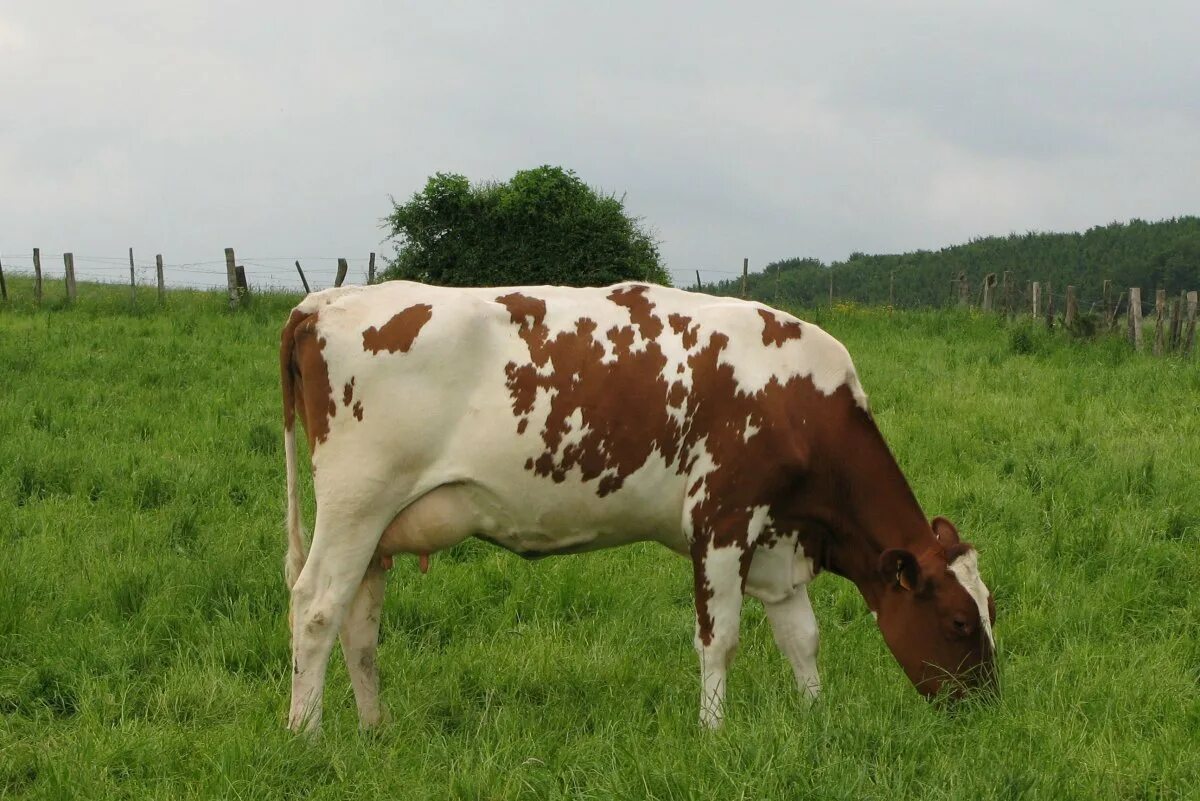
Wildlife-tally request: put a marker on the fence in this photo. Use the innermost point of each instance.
(1174, 319)
(234, 273)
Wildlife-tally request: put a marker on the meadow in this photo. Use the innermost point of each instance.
(143, 616)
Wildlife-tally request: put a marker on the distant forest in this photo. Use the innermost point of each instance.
(1150, 255)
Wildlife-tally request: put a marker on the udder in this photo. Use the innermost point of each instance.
(439, 519)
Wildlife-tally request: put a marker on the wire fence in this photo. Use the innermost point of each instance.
(268, 270)
(277, 272)
(262, 271)
(286, 273)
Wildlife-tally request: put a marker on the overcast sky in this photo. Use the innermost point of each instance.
(752, 129)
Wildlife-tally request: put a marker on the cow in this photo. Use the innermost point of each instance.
(552, 420)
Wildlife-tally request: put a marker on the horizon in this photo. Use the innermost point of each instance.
(321, 270)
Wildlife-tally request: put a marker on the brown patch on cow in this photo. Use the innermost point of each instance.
(287, 369)
(600, 392)
(307, 390)
(701, 589)
(358, 411)
(348, 392)
(681, 324)
(399, 333)
(522, 425)
(641, 310)
(676, 396)
(776, 332)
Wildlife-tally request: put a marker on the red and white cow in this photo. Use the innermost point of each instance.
(551, 420)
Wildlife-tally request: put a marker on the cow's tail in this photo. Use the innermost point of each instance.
(297, 553)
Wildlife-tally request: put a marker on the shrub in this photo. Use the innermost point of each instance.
(544, 226)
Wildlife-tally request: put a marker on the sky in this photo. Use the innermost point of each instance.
(749, 130)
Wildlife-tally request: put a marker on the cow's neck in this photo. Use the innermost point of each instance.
(868, 507)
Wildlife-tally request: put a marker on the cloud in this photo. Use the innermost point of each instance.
(765, 130)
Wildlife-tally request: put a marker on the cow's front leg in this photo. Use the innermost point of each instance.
(718, 576)
(795, 627)
(779, 577)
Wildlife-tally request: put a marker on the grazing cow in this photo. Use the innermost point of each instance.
(550, 420)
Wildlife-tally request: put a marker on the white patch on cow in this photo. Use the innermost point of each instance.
(576, 430)
(758, 519)
(815, 355)
(966, 569)
(676, 356)
(701, 467)
(750, 431)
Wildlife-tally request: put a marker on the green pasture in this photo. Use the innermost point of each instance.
(143, 636)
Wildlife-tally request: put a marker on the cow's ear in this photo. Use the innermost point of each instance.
(944, 531)
(899, 569)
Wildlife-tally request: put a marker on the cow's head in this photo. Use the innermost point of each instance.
(936, 615)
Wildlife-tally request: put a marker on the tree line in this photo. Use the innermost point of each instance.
(1158, 255)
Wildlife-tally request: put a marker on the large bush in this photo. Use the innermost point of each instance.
(544, 226)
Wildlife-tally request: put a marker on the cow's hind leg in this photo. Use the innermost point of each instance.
(342, 547)
(360, 642)
(718, 576)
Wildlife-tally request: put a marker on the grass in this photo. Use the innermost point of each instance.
(143, 641)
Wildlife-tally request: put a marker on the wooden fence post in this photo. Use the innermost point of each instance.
(231, 277)
(69, 264)
(989, 290)
(132, 283)
(162, 288)
(3, 286)
(1189, 333)
(1037, 299)
(303, 280)
(1160, 303)
(1116, 310)
(892, 289)
(243, 288)
(1108, 319)
(964, 291)
(1008, 292)
(1176, 323)
(1069, 316)
(37, 275)
(745, 274)
(831, 287)
(371, 268)
(699, 286)
(1049, 306)
(341, 273)
(1135, 317)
